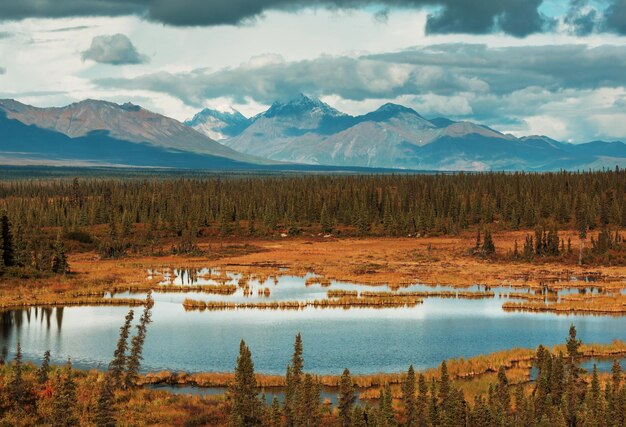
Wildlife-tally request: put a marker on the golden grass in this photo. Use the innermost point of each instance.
(578, 304)
(207, 289)
(347, 302)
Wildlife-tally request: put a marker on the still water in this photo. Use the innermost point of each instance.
(365, 340)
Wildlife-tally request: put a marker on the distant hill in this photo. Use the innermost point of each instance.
(306, 130)
(99, 132)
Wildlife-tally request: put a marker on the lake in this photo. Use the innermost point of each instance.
(367, 340)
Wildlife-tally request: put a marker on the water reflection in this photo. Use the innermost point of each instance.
(365, 340)
(14, 321)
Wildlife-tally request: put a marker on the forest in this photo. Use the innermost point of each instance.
(118, 216)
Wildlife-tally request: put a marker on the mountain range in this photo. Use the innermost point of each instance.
(306, 130)
(302, 134)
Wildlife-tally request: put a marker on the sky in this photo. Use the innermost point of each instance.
(526, 67)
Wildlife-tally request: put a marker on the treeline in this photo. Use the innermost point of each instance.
(386, 205)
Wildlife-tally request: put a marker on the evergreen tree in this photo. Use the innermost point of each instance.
(308, 413)
(104, 414)
(275, 414)
(387, 416)
(246, 407)
(347, 398)
(444, 386)
(582, 226)
(8, 251)
(17, 386)
(59, 258)
(325, 220)
(64, 403)
(573, 349)
(44, 370)
(422, 401)
(136, 348)
(293, 392)
(408, 398)
(118, 364)
(489, 249)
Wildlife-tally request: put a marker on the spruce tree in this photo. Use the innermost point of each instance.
(422, 401)
(8, 251)
(118, 364)
(276, 419)
(64, 403)
(136, 347)
(347, 398)
(408, 398)
(17, 385)
(59, 258)
(104, 414)
(246, 407)
(387, 416)
(489, 248)
(293, 392)
(44, 370)
(444, 386)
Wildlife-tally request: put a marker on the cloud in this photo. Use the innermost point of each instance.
(2, 70)
(114, 50)
(267, 81)
(516, 17)
(616, 17)
(443, 70)
(582, 18)
(513, 89)
(513, 68)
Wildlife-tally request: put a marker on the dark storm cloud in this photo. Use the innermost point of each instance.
(515, 17)
(518, 18)
(616, 17)
(116, 49)
(443, 70)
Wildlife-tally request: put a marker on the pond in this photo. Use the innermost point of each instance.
(366, 340)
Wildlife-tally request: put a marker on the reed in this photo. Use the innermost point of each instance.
(322, 281)
(190, 304)
(207, 289)
(339, 293)
(605, 304)
(63, 302)
(430, 294)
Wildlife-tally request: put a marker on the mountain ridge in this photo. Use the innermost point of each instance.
(300, 134)
(309, 131)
